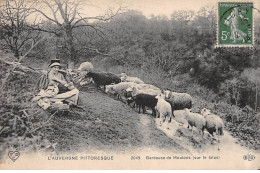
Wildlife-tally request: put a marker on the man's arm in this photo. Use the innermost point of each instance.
(60, 79)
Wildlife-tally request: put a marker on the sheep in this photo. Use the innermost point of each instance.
(119, 89)
(147, 86)
(213, 123)
(86, 66)
(179, 101)
(145, 91)
(163, 109)
(132, 79)
(122, 76)
(120, 86)
(167, 93)
(125, 78)
(78, 76)
(102, 78)
(145, 100)
(196, 120)
(142, 87)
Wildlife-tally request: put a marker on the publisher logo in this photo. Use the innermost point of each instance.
(13, 155)
(249, 157)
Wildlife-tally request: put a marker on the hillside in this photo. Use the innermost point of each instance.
(108, 125)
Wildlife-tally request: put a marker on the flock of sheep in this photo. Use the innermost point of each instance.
(162, 103)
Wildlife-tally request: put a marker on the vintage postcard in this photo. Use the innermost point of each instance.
(130, 84)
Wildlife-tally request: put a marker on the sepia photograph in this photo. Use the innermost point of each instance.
(129, 84)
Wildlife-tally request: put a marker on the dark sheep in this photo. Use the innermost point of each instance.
(142, 100)
(103, 78)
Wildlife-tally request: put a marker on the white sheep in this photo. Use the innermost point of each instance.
(144, 86)
(163, 109)
(143, 89)
(213, 123)
(122, 76)
(86, 66)
(125, 78)
(119, 89)
(132, 79)
(196, 120)
(149, 91)
(147, 86)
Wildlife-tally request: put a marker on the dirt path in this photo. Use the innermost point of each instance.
(228, 146)
(108, 125)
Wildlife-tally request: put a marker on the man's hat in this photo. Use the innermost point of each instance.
(55, 62)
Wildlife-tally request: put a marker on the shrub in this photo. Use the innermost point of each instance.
(21, 122)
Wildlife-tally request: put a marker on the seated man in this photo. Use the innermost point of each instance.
(58, 89)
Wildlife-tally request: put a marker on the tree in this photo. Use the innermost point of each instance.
(206, 19)
(14, 27)
(252, 75)
(231, 88)
(181, 20)
(65, 14)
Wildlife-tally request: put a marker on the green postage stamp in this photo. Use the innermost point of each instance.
(235, 24)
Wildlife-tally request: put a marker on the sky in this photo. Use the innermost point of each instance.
(155, 7)
(91, 8)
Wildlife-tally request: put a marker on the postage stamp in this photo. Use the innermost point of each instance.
(235, 24)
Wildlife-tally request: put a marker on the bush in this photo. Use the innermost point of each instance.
(21, 122)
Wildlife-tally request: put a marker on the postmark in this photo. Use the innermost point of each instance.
(235, 24)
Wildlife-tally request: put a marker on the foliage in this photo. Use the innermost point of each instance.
(14, 26)
(21, 122)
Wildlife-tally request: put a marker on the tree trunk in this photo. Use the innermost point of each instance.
(69, 40)
(256, 92)
(16, 54)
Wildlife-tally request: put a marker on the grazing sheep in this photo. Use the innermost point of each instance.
(120, 86)
(125, 78)
(86, 66)
(132, 79)
(163, 109)
(145, 100)
(142, 87)
(122, 76)
(102, 78)
(147, 86)
(119, 89)
(179, 101)
(196, 120)
(145, 91)
(213, 122)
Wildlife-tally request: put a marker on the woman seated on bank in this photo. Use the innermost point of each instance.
(58, 89)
